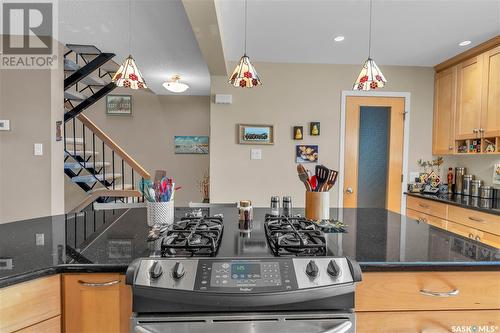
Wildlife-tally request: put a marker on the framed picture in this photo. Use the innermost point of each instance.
(256, 134)
(306, 154)
(191, 144)
(496, 174)
(119, 105)
(119, 250)
(298, 132)
(314, 128)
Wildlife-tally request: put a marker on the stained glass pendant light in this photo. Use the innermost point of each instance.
(371, 76)
(128, 75)
(245, 75)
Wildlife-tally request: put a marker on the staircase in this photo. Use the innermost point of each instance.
(92, 160)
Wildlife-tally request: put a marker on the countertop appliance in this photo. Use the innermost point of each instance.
(246, 283)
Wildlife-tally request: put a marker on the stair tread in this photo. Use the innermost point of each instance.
(92, 179)
(80, 153)
(110, 66)
(83, 49)
(70, 65)
(91, 80)
(74, 95)
(76, 165)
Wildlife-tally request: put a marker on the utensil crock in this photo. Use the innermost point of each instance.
(160, 213)
(317, 205)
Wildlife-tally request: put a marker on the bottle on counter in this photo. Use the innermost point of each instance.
(275, 206)
(466, 185)
(459, 179)
(450, 180)
(474, 187)
(246, 215)
(287, 206)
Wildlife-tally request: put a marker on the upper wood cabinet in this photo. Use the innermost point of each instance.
(444, 110)
(469, 89)
(490, 115)
(467, 102)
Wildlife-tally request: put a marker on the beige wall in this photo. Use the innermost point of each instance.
(30, 186)
(148, 136)
(480, 166)
(295, 94)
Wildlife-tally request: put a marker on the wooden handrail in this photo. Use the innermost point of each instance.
(116, 148)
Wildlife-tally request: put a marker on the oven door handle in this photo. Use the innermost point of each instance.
(342, 328)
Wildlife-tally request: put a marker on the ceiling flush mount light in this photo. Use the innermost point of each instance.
(174, 85)
(465, 43)
(339, 38)
(370, 76)
(245, 75)
(128, 75)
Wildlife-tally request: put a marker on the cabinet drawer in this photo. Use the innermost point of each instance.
(401, 291)
(52, 325)
(478, 235)
(429, 219)
(427, 321)
(478, 220)
(427, 206)
(28, 303)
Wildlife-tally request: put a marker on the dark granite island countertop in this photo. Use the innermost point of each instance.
(107, 241)
(490, 206)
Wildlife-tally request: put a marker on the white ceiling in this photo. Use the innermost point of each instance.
(405, 32)
(163, 42)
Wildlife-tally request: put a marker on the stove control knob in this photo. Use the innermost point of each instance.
(312, 269)
(333, 269)
(178, 270)
(156, 270)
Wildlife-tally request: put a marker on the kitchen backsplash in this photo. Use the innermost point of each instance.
(480, 166)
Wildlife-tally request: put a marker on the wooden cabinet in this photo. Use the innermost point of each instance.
(490, 116)
(30, 303)
(482, 227)
(412, 291)
(427, 321)
(467, 102)
(469, 89)
(96, 303)
(52, 325)
(445, 102)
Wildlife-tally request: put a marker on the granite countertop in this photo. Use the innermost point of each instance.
(107, 241)
(490, 206)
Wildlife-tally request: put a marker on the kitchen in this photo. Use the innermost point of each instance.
(383, 248)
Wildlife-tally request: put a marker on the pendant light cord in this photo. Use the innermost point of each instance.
(370, 33)
(129, 27)
(245, 27)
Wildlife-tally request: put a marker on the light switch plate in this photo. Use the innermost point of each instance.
(40, 239)
(38, 149)
(4, 125)
(256, 154)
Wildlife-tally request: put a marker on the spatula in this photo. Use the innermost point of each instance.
(322, 176)
(304, 178)
(332, 179)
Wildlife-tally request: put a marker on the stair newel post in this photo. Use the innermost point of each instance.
(93, 151)
(123, 176)
(104, 168)
(133, 184)
(74, 139)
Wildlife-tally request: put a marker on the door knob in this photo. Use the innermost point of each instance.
(349, 190)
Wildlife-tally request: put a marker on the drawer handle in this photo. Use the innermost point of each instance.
(471, 236)
(98, 284)
(452, 293)
(476, 219)
(478, 238)
(423, 206)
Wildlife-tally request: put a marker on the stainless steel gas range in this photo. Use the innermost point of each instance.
(273, 277)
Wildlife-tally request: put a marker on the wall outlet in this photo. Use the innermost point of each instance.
(256, 154)
(38, 149)
(4, 125)
(40, 239)
(413, 175)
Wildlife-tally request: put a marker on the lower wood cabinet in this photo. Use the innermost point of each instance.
(428, 321)
(96, 303)
(24, 305)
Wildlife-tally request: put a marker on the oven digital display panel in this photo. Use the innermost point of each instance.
(245, 271)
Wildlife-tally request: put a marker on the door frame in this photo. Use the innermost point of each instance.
(406, 137)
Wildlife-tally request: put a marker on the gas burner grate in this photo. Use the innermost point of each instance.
(294, 236)
(193, 236)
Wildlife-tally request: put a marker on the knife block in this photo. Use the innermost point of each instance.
(317, 206)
